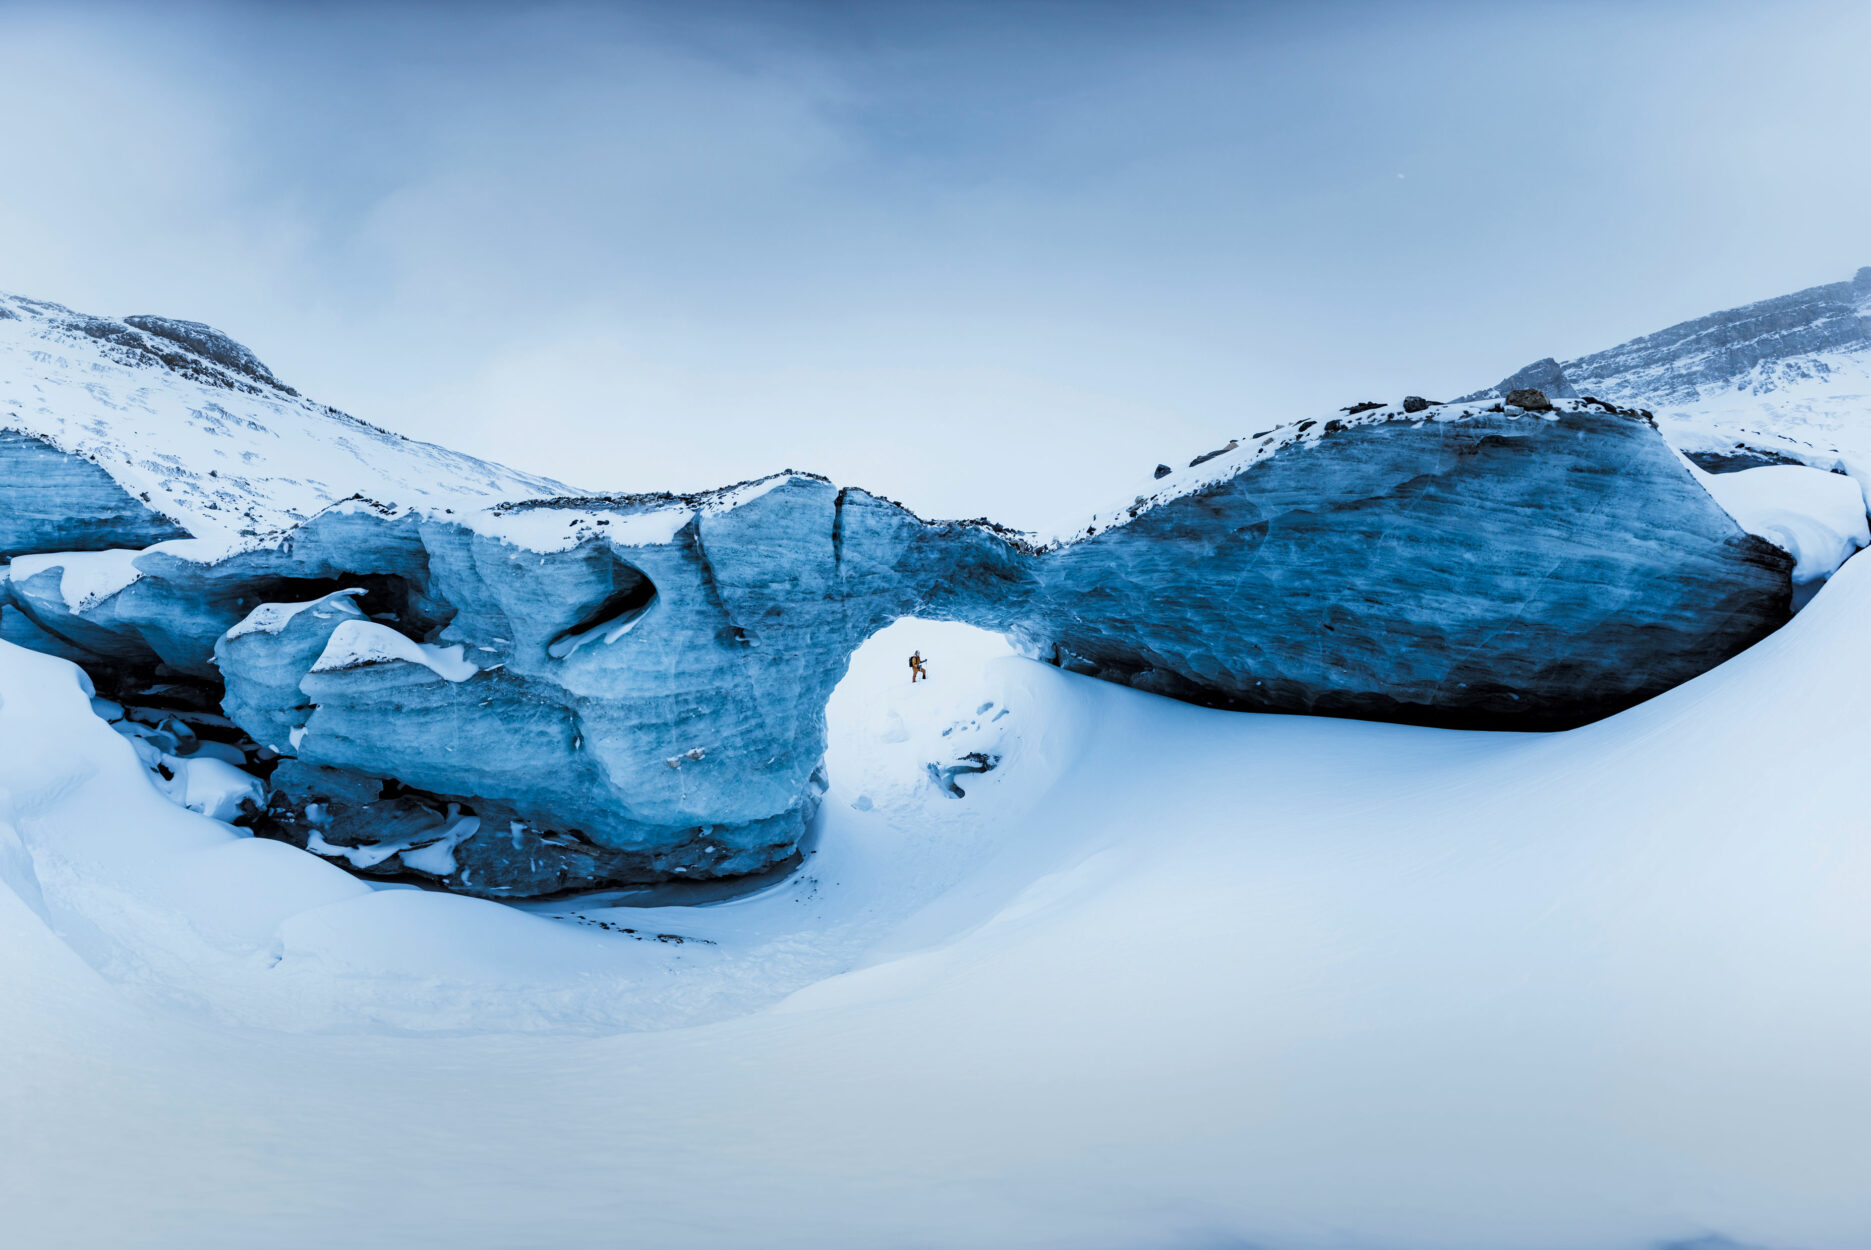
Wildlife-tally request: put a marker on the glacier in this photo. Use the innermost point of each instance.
(628, 689)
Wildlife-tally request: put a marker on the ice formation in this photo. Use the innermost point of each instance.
(633, 688)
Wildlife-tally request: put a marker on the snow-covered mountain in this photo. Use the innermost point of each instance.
(1789, 376)
(191, 424)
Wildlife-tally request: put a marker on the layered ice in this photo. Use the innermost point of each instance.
(632, 689)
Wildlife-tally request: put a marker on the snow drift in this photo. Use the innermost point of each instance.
(1168, 976)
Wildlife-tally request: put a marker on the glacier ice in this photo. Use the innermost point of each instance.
(633, 688)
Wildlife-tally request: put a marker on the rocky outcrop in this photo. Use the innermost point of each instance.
(122, 433)
(204, 342)
(1528, 398)
(1547, 376)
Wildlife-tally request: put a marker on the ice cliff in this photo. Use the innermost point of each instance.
(444, 668)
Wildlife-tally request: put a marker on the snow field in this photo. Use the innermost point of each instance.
(1816, 517)
(1167, 976)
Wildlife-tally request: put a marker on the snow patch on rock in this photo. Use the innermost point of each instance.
(271, 618)
(359, 644)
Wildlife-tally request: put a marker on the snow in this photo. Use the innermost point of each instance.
(554, 527)
(220, 462)
(647, 521)
(1816, 517)
(1241, 453)
(91, 576)
(214, 787)
(271, 618)
(1167, 976)
(432, 851)
(355, 644)
(607, 633)
(1813, 404)
(87, 576)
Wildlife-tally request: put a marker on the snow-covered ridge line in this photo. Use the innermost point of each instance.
(1242, 453)
(193, 425)
(1781, 378)
(561, 522)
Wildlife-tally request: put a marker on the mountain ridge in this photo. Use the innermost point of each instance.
(193, 426)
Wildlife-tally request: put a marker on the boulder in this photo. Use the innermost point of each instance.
(1529, 399)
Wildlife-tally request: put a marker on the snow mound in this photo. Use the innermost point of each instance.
(359, 644)
(1816, 517)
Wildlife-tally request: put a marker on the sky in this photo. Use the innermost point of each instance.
(985, 259)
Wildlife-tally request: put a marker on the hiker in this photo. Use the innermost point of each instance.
(916, 667)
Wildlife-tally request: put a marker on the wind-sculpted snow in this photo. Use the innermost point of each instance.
(632, 688)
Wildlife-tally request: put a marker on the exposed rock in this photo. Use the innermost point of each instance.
(1546, 375)
(1757, 348)
(1737, 458)
(1163, 471)
(1529, 399)
(1207, 456)
(211, 344)
(1415, 403)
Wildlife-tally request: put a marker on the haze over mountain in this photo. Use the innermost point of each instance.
(923, 247)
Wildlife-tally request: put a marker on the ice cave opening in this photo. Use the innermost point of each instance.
(633, 594)
(893, 738)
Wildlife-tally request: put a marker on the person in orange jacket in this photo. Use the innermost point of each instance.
(916, 667)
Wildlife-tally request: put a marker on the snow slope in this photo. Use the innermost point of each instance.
(221, 449)
(1815, 410)
(1166, 977)
(1789, 375)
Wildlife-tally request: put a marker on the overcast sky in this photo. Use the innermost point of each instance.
(983, 258)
